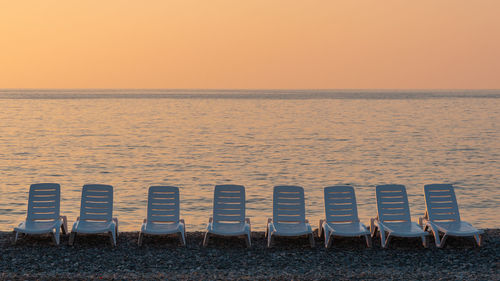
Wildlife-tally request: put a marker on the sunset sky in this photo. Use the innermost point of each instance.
(250, 44)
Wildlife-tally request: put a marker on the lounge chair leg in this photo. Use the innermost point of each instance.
(64, 225)
(368, 240)
(16, 237)
(248, 240)
(113, 237)
(53, 237)
(425, 241)
(56, 236)
(311, 240)
(382, 238)
(72, 237)
(139, 241)
(328, 240)
(388, 239)
(479, 239)
(443, 240)
(437, 239)
(205, 239)
(373, 228)
(269, 240)
(182, 238)
(320, 229)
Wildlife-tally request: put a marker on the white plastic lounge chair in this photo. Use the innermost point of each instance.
(394, 215)
(341, 216)
(229, 214)
(289, 214)
(442, 215)
(96, 212)
(43, 212)
(163, 213)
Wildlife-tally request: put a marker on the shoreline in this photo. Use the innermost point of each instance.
(93, 257)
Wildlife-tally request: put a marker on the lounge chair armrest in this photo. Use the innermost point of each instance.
(145, 221)
(269, 220)
(210, 220)
(182, 220)
(247, 220)
(306, 221)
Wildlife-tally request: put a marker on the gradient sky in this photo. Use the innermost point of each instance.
(250, 44)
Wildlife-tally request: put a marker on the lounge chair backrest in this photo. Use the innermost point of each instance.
(288, 204)
(229, 204)
(392, 203)
(340, 204)
(44, 202)
(97, 202)
(163, 204)
(441, 202)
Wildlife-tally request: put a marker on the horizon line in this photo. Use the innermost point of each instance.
(271, 89)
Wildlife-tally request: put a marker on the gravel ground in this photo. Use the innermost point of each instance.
(92, 257)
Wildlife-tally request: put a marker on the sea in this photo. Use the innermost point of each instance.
(196, 139)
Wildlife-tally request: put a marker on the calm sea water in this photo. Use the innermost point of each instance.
(195, 139)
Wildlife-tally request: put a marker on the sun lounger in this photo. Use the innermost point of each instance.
(442, 215)
(229, 214)
(394, 215)
(43, 212)
(288, 214)
(96, 213)
(163, 214)
(341, 216)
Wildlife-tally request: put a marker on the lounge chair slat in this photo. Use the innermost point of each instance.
(288, 212)
(335, 200)
(156, 200)
(440, 205)
(92, 193)
(439, 193)
(45, 198)
(395, 217)
(236, 218)
(38, 204)
(44, 192)
(398, 199)
(293, 195)
(385, 205)
(229, 199)
(229, 211)
(334, 212)
(97, 199)
(281, 218)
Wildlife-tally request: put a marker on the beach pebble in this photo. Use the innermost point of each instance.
(92, 257)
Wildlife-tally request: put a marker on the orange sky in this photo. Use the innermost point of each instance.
(250, 44)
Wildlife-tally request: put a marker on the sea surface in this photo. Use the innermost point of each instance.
(195, 139)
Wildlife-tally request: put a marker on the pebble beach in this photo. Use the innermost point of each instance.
(92, 257)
